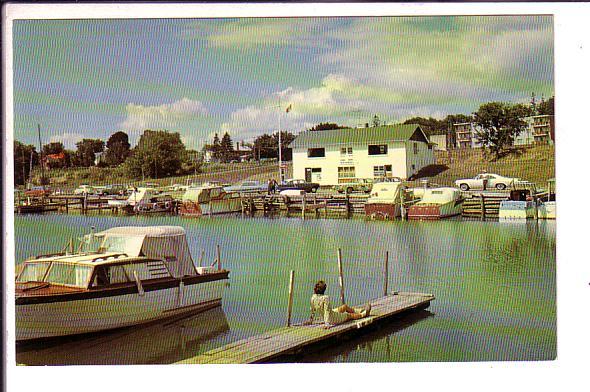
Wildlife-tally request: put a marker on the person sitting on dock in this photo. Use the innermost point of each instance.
(320, 305)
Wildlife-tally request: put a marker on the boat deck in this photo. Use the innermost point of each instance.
(291, 340)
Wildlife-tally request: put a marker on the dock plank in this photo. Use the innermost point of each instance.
(272, 344)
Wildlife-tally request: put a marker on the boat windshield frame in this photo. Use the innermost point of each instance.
(75, 267)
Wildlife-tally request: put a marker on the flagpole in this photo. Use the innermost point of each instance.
(280, 152)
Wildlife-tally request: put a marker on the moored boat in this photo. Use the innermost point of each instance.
(209, 199)
(128, 276)
(385, 199)
(143, 200)
(437, 203)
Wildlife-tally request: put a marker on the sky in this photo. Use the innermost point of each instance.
(90, 78)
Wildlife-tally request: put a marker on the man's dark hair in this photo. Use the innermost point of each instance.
(320, 287)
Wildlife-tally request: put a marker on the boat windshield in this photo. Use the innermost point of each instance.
(67, 274)
(130, 245)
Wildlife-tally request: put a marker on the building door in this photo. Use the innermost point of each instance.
(308, 174)
(313, 174)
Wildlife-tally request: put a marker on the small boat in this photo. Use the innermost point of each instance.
(384, 202)
(209, 199)
(519, 205)
(547, 210)
(437, 203)
(126, 276)
(143, 200)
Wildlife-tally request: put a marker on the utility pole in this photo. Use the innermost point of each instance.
(41, 152)
(280, 152)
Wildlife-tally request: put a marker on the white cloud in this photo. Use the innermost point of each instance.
(165, 116)
(69, 140)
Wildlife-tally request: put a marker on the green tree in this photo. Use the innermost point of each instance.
(325, 127)
(22, 162)
(226, 148)
(546, 107)
(499, 124)
(157, 154)
(216, 147)
(267, 146)
(86, 150)
(118, 148)
(53, 148)
(430, 125)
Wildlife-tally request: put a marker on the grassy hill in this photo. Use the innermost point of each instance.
(533, 163)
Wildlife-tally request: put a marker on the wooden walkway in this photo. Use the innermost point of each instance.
(289, 340)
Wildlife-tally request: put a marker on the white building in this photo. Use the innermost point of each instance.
(540, 130)
(466, 135)
(340, 155)
(440, 142)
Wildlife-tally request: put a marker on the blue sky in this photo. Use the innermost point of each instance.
(91, 78)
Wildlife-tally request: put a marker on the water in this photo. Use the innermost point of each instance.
(494, 285)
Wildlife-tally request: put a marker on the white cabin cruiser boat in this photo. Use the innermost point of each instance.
(437, 203)
(208, 199)
(385, 200)
(134, 275)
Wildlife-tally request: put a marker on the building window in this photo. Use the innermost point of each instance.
(415, 148)
(346, 151)
(316, 152)
(378, 149)
(346, 174)
(382, 171)
(430, 146)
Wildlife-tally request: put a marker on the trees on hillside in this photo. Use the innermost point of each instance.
(157, 154)
(86, 151)
(23, 154)
(499, 124)
(267, 146)
(118, 148)
(546, 107)
(325, 127)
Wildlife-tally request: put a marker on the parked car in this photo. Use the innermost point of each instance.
(247, 186)
(357, 185)
(85, 190)
(299, 184)
(178, 188)
(114, 189)
(486, 181)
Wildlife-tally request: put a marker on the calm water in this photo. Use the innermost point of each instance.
(494, 285)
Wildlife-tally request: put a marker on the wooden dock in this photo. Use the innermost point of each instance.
(271, 346)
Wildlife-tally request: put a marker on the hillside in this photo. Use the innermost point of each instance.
(534, 163)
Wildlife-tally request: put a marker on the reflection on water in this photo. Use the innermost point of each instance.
(160, 342)
(494, 284)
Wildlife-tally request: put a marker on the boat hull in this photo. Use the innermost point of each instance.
(516, 210)
(72, 316)
(224, 206)
(435, 211)
(383, 210)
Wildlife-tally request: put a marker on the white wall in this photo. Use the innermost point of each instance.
(360, 159)
(424, 157)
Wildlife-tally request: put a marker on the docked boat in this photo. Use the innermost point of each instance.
(209, 199)
(143, 200)
(437, 203)
(385, 199)
(519, 205)
(125, 276)
(547, 210)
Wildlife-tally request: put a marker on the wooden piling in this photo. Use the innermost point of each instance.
(218, 258)
(385, 273)
(340, 276)
(303, 208)
(402, 207)
(71, 245)
(290, 306)
(483, 207)
(202, 257)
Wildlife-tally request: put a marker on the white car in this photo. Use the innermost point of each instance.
(486, 181)
(85, 190)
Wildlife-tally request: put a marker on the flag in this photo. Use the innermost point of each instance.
(289, 108)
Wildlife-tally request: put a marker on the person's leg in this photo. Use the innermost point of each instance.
(345, 309)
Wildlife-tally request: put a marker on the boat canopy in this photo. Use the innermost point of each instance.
(167, 243)
(440, 195)
(385, 192)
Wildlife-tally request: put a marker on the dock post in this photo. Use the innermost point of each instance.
(201, 258)
(303, 208)
(71, 245)
(218, 258)
(385, 273)
(290, 306)
(347, 204)
(66, 205)
(402, 208)
(85, 203)
(483, 207)
(340, 276)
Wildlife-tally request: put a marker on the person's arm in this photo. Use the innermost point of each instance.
(327, 310)
(311, 315)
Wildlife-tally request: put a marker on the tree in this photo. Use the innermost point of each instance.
(226, 148)
(499, 124)
(118, 148)
(267, 146)
(286, 139)
(86, 150)
(157, 154)
(22, 162)
(431, 126)
(546, 107)
(216, 147)
(325, 127)
(376, 121)
(53, 148)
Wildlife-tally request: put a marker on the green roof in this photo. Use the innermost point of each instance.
(386, 133)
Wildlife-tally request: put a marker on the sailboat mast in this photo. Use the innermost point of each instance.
(41, 158)
(30, 170)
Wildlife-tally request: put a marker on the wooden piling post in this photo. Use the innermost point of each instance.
(201, 258)
(71, 245)
(340, 276)
(290, 306)
(218, 258)
(385, 273)
(483, 207)
(402, 208)
(347, 204)
(66, 205)
(303, 208)
(85, 203)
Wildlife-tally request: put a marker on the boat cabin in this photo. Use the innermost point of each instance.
(441, 195)
(121, 255)
(386, 192)
(205, 193)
